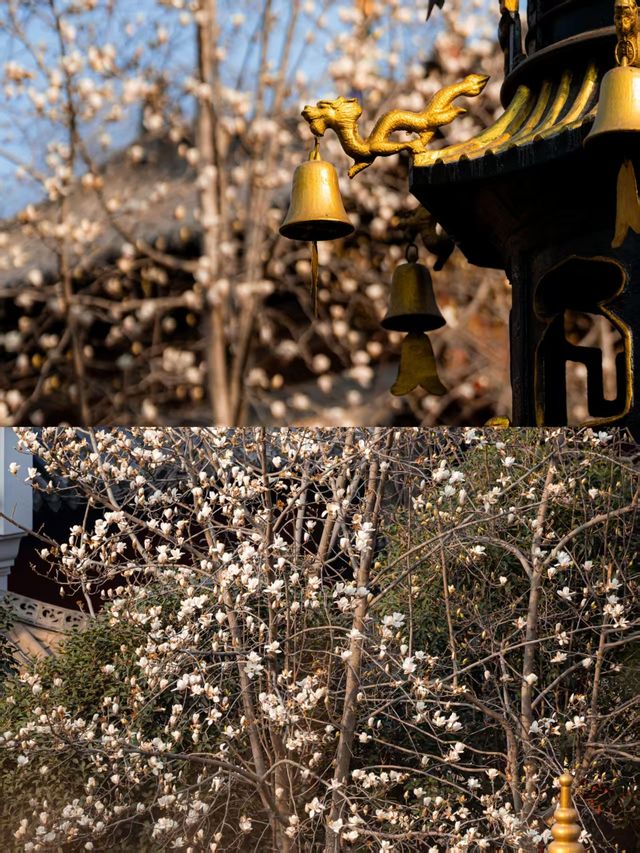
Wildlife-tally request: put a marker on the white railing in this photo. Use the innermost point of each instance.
(49, 616)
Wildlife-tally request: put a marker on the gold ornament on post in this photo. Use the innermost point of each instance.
(413, 309)
(566, 829)
(618, 116)
(316, 211)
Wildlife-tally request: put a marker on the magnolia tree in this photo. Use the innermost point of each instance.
(332, 640)
(162, 137)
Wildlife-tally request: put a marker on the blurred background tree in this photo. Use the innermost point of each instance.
(147, 154)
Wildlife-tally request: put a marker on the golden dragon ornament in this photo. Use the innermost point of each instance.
(342, 115)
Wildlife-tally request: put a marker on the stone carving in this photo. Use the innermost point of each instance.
(37, 613)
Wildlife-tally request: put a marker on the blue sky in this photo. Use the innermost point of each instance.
(24, 137)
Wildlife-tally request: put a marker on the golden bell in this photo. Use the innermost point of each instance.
(412, 304)
(618, 106)
(316, 211)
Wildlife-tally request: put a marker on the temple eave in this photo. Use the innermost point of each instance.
(556, 110)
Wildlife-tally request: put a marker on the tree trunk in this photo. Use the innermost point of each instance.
(210, 171)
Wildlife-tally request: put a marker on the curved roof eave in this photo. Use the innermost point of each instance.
(550, 112)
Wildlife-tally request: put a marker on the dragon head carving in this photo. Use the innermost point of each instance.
(626, 18)
(325, 114)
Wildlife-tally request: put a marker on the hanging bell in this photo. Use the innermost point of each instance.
(412, 304)
(618, 113)
(316, 211)
(616, 130)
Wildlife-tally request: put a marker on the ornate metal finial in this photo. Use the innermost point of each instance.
(510, 34)
(627, 31)
(342, 115)
(566, 829)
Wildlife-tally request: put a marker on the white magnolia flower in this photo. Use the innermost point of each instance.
(275, 588)
(441, 474)
(408, 666)
(163, 825)
(455, 753)
(363, 536)
(453, 723)
(566, 593)
(395, 620)
(253, 665)
(576, 723)
(314, 807)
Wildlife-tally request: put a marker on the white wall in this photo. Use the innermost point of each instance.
(16, 502)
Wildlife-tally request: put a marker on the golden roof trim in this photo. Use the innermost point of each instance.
(529, 117)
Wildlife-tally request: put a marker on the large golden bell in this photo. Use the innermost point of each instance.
(316, 211)
(412, 304)
(618, 106)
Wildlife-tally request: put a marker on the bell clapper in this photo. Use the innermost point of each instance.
(314, 277)
(315, 155)
(417, 367)
(627, 204)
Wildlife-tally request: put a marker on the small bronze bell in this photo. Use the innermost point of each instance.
(316, 211)
(413, 309)
(412, 304)
(618, 107)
